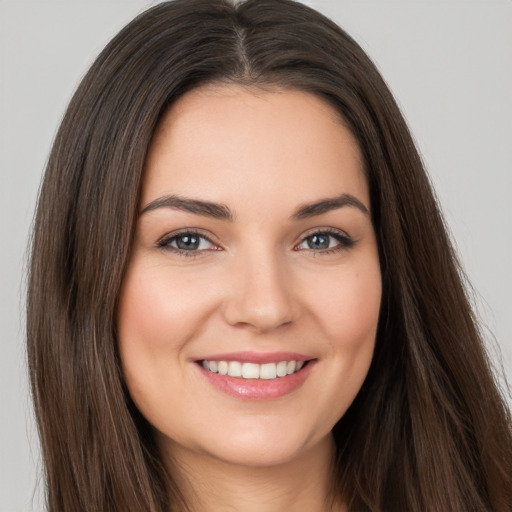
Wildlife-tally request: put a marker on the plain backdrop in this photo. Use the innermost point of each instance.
(449, 63)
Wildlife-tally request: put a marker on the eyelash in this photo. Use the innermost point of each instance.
(344, 242)
(165, 242)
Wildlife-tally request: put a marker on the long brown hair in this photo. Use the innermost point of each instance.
(429, 429)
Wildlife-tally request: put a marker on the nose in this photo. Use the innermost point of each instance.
(261, 294)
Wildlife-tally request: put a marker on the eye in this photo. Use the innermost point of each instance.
(187, 242)
(325, 241)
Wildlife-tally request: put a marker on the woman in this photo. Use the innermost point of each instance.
(242, 295)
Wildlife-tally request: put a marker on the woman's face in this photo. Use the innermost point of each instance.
(254, 255)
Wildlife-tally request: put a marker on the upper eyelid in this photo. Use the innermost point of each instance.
(345, 241)
(186, 231)
(325, 230)
(164, 243)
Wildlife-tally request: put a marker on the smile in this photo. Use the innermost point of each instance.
(254, 376)
(247, 370)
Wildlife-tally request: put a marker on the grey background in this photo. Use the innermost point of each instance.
(448, 63)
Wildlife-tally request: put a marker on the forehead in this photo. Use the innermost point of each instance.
(238, 144)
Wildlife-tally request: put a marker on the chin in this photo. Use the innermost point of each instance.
(259, 446)
(260, 453)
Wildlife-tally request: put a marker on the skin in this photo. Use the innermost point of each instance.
(258, 285)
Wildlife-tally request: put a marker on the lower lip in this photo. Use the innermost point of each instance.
(258, 389)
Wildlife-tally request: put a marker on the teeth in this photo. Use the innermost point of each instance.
(268, 371)
(282, 368)
(222, 367)
(235, 369)
(252, 370)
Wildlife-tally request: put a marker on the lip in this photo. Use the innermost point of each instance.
(258, 389)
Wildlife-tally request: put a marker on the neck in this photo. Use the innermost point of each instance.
(303, 484)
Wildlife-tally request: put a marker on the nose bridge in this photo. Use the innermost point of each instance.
(261, 294)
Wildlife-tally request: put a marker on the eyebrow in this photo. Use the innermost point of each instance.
(222, 212)
(197, 206)
(326, 205)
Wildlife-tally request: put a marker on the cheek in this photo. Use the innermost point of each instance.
(159, 312)
(348, 308)
(156, 317)
(347, 312)
(142, 323)
(158, 309)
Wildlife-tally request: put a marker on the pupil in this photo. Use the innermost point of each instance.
(318, 242)
(187, 242)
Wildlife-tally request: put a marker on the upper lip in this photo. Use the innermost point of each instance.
(257, 357)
